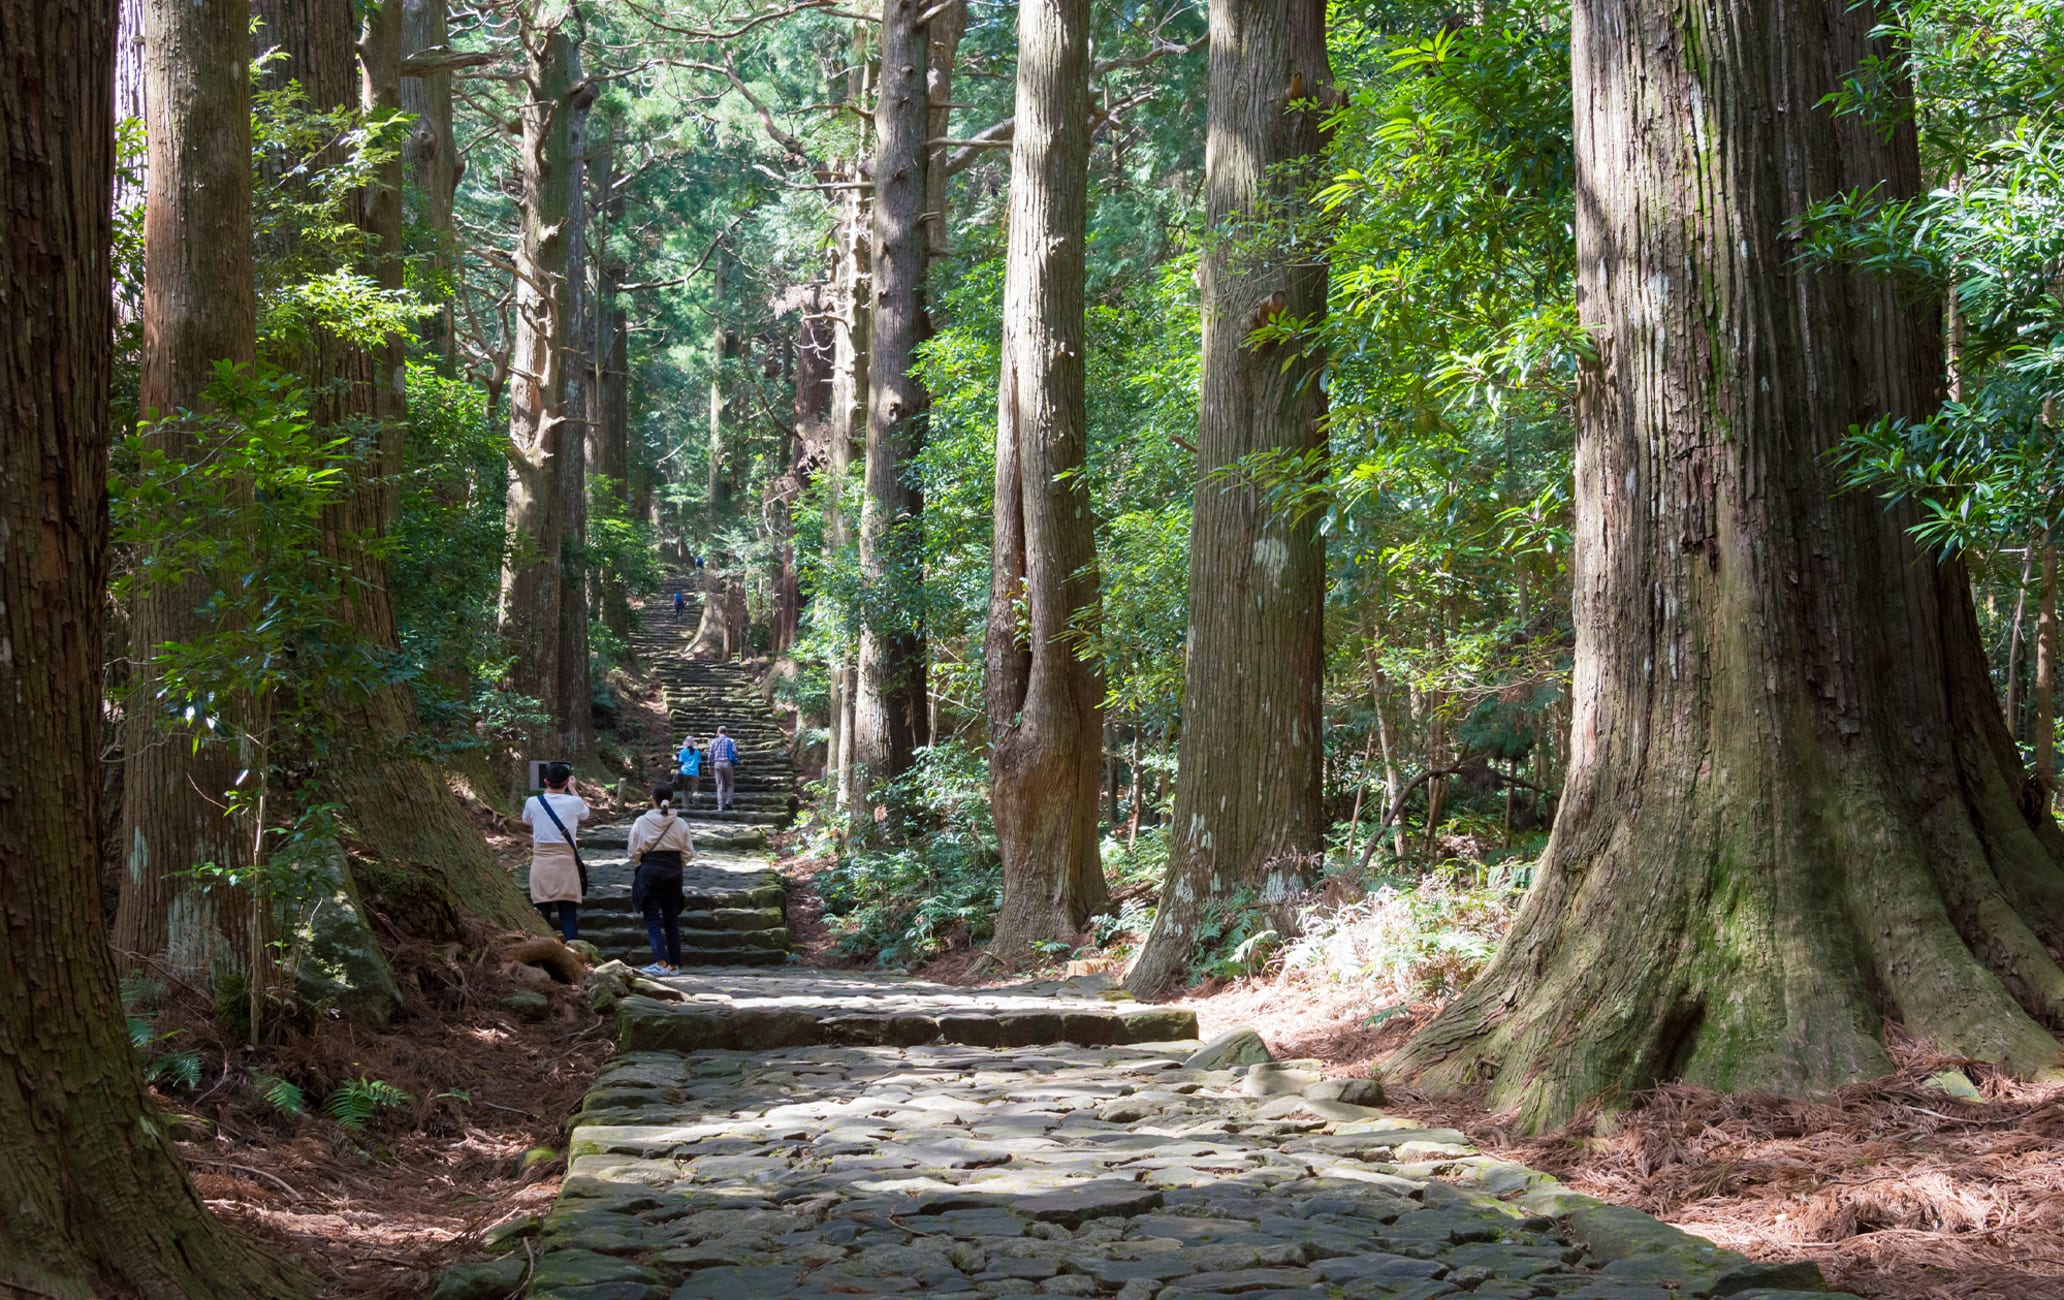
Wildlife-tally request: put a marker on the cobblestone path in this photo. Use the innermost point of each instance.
(791, 1147)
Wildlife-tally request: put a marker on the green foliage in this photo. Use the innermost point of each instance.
(445, 569)
(355, 1101)
(1235, 936)
(178, 1068)
(1408, 940)
(282, 1096)
(231, 506)
(1983, 471)
(905, 904)
(901, 907)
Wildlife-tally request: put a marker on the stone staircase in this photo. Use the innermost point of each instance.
(734, 908)
(700, 697)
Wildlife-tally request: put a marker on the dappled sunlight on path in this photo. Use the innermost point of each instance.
(811, 1136)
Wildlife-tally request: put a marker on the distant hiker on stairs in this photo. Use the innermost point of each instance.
(660, 846)
(680, 606)
(723, 753)
(689, 762)
(556, 876)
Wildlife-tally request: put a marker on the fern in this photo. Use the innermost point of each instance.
(180, 1068)
(283, 1097)
(357, 1100)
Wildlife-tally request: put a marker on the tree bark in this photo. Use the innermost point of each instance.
(542, 436)
(851, 287)
(2046, 675)
(2012, 707)
(942, 50)
(1044, 700)
(613, 436)
(848, 430)
(576, 715)
(811, 437)
(433, 161)
(1789, 815)
(200, 308)
(1248, 785)
(890, 721)
(422, 859)
(98, 1202)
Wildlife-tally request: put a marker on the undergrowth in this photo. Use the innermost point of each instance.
(1408, 940)
(931, 879)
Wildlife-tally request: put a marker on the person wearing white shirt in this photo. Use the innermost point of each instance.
(555, 878)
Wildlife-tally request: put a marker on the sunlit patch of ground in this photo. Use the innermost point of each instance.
(375, 1212)
(1897, 1190)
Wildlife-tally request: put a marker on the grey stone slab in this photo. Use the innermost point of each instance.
(1378, 1266)
(1076, 1204)
(737, 1283)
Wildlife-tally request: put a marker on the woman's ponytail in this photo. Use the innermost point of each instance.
(663, 799)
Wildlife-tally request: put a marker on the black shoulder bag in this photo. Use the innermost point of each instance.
(656, 867)
(571, 843)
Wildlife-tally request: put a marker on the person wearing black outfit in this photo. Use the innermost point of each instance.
(660, 845)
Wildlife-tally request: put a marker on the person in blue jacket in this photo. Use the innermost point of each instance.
(690, 764)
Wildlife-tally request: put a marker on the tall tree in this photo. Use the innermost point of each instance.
(576, 716)
(98, 1202)
(848, 426)
(1790, 814)
(609, 440)
(541, 433)
(890, 720)
(807, 443)
(1247, 813)
(421, 852)
(433, 154)
(1044, 698)
(200, 309)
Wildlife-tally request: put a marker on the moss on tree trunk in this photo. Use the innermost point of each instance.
(1792, 813)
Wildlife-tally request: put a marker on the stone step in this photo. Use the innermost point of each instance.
(627, 929)
(699, 913)
(615, 896)
(708, 836)
(647, 1025)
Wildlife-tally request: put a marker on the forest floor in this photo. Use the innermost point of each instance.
(377, 1211)
(1898, 1191)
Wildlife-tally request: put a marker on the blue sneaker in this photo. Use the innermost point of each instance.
(655, 969)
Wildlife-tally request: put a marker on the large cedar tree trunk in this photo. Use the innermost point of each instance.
(1045, 701)
(200, 308)
(422, 859)
(889, 708)
(433, 156)
(576, 717)
(1790, 814)
(97, 1200)
(848, 430)
(1247, 812)
(541, 436)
